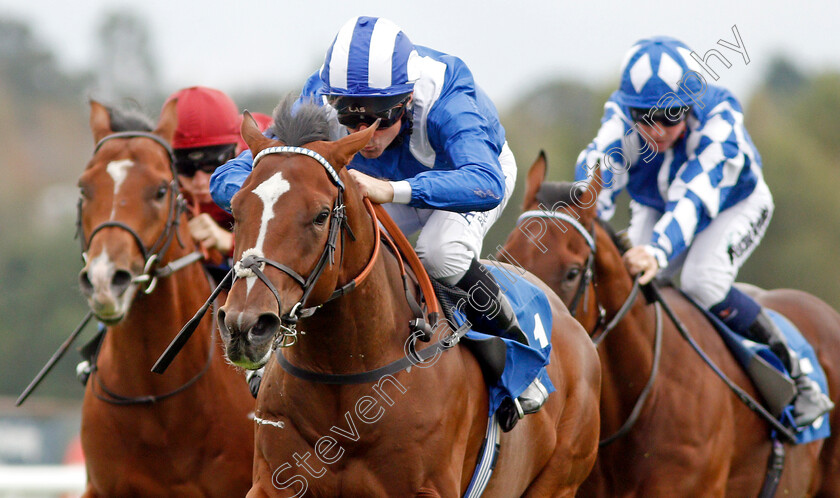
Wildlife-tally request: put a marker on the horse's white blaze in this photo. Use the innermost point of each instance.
(269, 192)
(118, 171)
(101, 270)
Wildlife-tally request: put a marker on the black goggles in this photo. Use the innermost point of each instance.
(665, 117)
(189, 161)
(354, 112)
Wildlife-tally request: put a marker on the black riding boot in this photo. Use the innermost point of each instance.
(810, 403)
(489, 311)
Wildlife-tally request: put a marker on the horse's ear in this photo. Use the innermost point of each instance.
(168, 121)
(597, 182)
(252, 135)
(100, 121)
(343, 150)
(535, 177)
(588, 192)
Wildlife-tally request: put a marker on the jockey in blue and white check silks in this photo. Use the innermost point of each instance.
(702, 204)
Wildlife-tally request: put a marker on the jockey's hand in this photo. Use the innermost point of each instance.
(205, 230)
(640, 260)
(378, 191)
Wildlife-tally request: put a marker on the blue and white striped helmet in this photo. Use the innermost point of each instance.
(370, 57)
(654, 67)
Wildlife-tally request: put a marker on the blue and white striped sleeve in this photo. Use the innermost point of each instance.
(717, 174)
(608, 147)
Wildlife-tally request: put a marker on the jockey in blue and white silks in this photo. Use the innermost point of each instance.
(438, 161)
(699, 201)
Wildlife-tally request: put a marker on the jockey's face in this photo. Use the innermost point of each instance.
(198, 186)
(382, 138)
(659, 136)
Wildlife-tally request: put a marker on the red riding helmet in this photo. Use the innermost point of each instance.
(206, 117)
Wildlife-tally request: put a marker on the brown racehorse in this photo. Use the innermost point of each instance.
(416, 432)
(186, 433)
(693, 437)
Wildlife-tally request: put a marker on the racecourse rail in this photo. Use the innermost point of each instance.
(41, 480)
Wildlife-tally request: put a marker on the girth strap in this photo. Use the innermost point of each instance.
(411, 358)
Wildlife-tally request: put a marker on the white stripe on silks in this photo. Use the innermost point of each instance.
(340, 54)
(381, 53)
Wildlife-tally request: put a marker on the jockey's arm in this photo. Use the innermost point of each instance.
(608, 149)
(229, 177)
(697, 194)
(459, 133)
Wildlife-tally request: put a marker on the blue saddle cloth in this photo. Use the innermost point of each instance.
(744, 350)
(523, 363)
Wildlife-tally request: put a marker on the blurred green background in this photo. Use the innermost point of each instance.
(793, 117)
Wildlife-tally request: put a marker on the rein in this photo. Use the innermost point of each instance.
(597, 337)
(748, 400)
(254, 264)
(151, 255)
(653, 295)
(150, 272)
(250, 265)
(117, 399)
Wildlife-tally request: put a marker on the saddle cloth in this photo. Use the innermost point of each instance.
(522, 363)
(748, 352)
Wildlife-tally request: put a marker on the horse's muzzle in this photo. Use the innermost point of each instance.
(106, 290)
(247, 336)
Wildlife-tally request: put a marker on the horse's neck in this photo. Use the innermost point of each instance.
(133, 345)
(362, 330)
(627, 352)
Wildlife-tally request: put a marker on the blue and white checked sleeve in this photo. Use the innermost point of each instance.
(609, 146)
(719, 172)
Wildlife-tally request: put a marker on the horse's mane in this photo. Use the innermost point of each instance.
(299, 125)
(555, 195)
(127, 119)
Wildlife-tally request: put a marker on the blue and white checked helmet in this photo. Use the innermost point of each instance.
(654, 67)
(370, 57)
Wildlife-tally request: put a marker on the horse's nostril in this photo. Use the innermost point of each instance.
(120, 282)
(223, 327)
(85, 284)
(266, 326)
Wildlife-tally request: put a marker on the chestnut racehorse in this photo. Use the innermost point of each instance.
(414, 432)
(186, 433)
(692, 437)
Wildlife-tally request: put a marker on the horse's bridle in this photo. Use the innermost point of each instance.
(151, 270)
(152, 254)
(582, 290)
(252, 264)
(588, 276)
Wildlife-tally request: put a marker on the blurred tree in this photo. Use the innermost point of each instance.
(125, 66)
(783, 77)
(29, 68)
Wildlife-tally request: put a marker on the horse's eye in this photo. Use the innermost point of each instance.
(161, 192)
(572, 274)
(84, 193)
(322, 218)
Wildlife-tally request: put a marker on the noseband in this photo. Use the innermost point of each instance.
(151, 255)
(252, 264)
